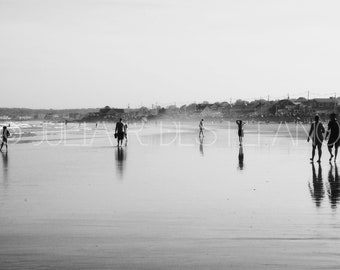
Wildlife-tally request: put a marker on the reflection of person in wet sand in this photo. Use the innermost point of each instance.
(333, 187)
(316, 133)
(5, 164)
(240, 132)
(201, 146)
(317, 190)
(333, 132)
(240, 158)
(201, 128)
(120, 158)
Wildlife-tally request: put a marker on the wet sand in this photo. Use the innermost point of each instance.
(168, 201)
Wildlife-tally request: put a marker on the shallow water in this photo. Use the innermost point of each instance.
(167, 201)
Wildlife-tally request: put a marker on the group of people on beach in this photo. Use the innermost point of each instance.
(316, 133)
(240, 132)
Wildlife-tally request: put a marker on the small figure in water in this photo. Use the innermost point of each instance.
(125, 133)
(316, 133)
(333, 132)
(5, 135)
(201, 128)
(240, 125)
(119, 132)
(96, 125)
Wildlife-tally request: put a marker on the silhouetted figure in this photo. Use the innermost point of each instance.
(201, 128)
(5, 134)
(96, 125)
(201, 146)
(316, 133)
(125, 133)
(333, 188)
(333, 132)
(317, 190)
(240, 132)
(120, 158)
(240, 158)
(119, 132)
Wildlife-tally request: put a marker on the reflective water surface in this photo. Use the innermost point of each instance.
(168, 201)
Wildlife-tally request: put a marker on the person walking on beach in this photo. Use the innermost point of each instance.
(119, 132)
(316, 133)
(333, 132)
(5, 135)
(240, 133)
(201, 128)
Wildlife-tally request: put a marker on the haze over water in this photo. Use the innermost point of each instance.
(168, 202)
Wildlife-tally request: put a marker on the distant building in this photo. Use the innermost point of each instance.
(284, 107)
(52, 116)
(75, 116)
(39, 116)
(93, 114)
(25, 117)
(104, 110)
(323, 106)
(4, 117)
(114, 113)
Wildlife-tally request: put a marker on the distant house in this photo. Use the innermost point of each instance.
(301, 100)
(323, 105)
(39, 116)
(105, 110)
(25, 117)
(93, 114)
(114, 113)
(75, 116)
(154, 112)
(284, 107)
(52, 116)
(4, 117)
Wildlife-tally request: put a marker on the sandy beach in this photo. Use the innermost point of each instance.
(69, 199)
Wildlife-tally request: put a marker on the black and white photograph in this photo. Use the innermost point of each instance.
(169, 134)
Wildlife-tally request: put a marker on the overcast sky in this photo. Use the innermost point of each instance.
(63, 54)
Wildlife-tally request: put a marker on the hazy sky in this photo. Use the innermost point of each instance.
(62, 54)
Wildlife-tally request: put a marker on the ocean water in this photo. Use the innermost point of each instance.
(70, 199)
